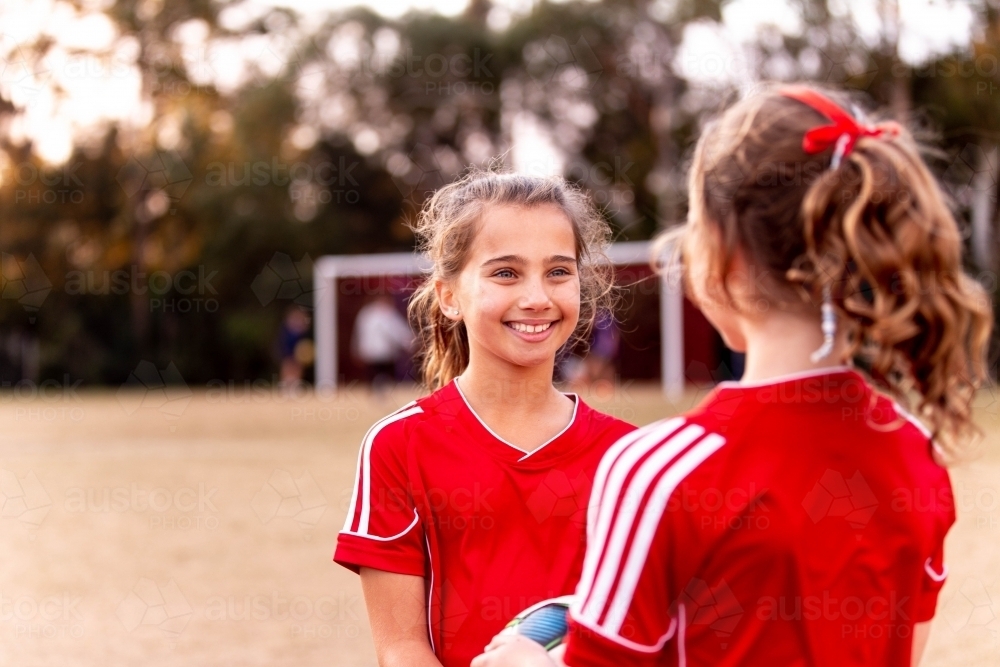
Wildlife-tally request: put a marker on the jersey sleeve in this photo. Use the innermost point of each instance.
(935, 570)
(628, 604)
(621, 615)
(615, 628)
(383, 529)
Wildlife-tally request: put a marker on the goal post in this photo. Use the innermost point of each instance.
(329, 269)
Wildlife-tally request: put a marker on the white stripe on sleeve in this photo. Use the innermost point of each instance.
(611, 472)
(662, 429)
(651, 517)
(936, 576)
(617, 518)
(362, 484)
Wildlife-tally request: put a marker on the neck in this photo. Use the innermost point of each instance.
(518, 403)
(782, 343)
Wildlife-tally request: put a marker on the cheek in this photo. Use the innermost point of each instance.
(704, 287)
(698, 293)
(715, 313)
(726, 321)
(701, 281)
(567, 296)
(487, 301)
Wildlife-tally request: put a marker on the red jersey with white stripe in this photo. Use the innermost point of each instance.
(493, 529)
(795, 522)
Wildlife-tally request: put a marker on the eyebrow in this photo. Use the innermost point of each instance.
(517, 259)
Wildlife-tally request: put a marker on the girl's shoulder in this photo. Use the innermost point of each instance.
(390, 431)
(441, 405)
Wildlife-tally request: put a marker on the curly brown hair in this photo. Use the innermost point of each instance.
(875, 230)
(446, 229)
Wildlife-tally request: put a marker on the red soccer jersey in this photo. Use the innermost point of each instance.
(794, 522)
(492, 528)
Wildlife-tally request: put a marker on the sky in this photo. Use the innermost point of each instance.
(102, 84)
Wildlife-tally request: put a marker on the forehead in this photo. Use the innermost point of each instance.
(536, 231)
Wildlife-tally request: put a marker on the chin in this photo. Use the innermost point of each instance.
(531, 360)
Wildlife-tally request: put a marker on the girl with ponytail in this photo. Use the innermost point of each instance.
(469, 503)
(798, 516)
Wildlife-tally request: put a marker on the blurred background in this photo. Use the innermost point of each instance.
(169, 171)
(173, 174)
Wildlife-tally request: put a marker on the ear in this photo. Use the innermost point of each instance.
(448, 300)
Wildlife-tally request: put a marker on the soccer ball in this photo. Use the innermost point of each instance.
(545, 622)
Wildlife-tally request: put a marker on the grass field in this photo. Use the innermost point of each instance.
(199, 531)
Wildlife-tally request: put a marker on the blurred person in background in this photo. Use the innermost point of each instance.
(19, 358)
(381, 337)
(295, 347)
(599, 364)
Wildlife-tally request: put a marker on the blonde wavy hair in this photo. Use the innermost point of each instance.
(446, 229)
(876, 231)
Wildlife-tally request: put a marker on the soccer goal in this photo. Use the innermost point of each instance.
(334, 274)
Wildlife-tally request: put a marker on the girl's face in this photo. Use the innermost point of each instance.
(519, 292)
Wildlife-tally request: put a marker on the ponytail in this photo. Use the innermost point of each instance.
(444, 342)
(879, 234)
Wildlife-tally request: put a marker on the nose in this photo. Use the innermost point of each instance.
(535, 295)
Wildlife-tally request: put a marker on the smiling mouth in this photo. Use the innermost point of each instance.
(529, 328)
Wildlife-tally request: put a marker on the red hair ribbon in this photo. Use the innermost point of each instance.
(842, 134)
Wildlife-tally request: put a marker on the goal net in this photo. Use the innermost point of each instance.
(652, 324)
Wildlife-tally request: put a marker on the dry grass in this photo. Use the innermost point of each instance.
(89, 583)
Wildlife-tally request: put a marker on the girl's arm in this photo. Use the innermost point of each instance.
(398, 614)
(921, 631)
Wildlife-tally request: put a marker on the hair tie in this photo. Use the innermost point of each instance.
(842, 133)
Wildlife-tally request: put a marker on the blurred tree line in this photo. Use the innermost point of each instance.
(183, 241)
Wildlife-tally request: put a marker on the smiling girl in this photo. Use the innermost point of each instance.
(470, 503)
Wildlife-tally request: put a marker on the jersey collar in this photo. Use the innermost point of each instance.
(525, 454)
(788, 377)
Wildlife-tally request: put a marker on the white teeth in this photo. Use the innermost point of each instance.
(528, 328)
